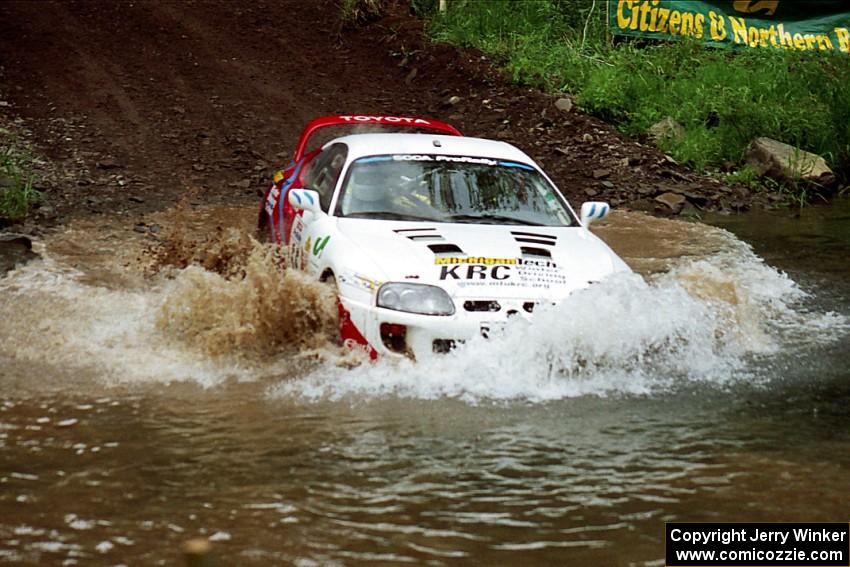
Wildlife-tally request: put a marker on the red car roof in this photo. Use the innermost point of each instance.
(355, 120)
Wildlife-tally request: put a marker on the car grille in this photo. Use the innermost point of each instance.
(442, 346)
(482, 305)
(492, 306)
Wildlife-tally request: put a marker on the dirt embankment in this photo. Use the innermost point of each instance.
(135, 103)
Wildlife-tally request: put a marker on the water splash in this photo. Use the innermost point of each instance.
(263, 311)
(704, 320)
(231, 313)
(220, 307)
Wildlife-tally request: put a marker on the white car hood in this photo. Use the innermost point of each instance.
(480, 260)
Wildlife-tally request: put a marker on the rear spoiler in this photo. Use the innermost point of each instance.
(352, 120)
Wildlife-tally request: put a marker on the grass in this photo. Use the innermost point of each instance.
(722, 98)
(17, 194)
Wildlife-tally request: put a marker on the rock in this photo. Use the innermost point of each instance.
(564, 104)
(644, 205)
(689, 210)
(108, 163)
(673, 200)
(666, 128)
(198, 166)
(14, 251)
(692, 193)
(591, 192)
(155, 228)
(666, 172)
(607, 184)
(601, 173)
(783, 162)
(141, 228)
(453, 100)
(587, 138)
(243, 184)
(410, 76)
(135, 199)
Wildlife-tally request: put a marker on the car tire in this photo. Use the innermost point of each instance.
(262, 232)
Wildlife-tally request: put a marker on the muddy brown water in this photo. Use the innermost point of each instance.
(141, 410)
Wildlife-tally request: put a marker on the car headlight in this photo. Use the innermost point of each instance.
(415, 298)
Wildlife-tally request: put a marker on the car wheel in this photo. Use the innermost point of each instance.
(263, 233)
(330, 280)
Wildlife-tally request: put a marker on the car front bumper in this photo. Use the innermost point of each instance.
(423, 335)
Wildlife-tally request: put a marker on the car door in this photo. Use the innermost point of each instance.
(276, 214)
(311, 233)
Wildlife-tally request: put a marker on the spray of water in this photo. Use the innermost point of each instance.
(262, 311)
(219, 306)
(704, 320)
(211, 309)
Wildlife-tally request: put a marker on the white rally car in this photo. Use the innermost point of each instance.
(431, 237)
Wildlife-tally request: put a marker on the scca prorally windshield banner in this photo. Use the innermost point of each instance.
(813, 25)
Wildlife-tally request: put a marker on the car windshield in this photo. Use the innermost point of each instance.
(456, 189)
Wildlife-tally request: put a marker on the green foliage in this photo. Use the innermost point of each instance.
(722, 98)
(16, 186)
(746, 176)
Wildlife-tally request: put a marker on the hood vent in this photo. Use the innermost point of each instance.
(446, 248)
(532, 238)
(405, 231)
(439, 246)
(532, 251)
(420, 234)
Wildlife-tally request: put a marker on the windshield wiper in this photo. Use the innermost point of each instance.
(387, 215)
(499, 218)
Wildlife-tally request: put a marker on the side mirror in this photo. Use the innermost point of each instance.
(305, 199)
(593, 210)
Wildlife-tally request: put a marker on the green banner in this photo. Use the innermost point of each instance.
(800, 25)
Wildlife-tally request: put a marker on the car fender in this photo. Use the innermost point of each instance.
(328, 250)
(358, 277)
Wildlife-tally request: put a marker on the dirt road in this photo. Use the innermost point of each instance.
(141, 101)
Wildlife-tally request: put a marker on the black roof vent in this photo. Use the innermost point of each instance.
(419, 233)
(402, 230)
(532, 238)
(445, 248)
(532, 251)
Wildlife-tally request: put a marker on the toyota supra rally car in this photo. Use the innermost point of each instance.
(430, 237)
